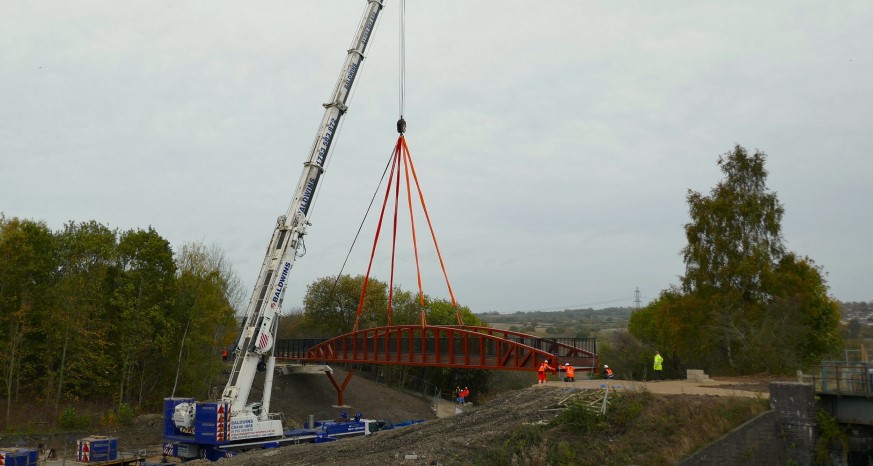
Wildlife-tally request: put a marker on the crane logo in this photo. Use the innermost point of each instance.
(281, 285)
(307, 195)
(351, 76)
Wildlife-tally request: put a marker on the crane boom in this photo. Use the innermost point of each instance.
(236, 417)
(257, 337)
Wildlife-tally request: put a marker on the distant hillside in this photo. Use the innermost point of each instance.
(566, 323)
(592, 322)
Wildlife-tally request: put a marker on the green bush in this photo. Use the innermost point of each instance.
(831, 437)
(623, 408)
(580, 418)
(516, 449)
(125, 414)
(70, 419)
(562, 454)
(627, 406)
(526, 437)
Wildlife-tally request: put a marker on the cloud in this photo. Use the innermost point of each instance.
(555, 143)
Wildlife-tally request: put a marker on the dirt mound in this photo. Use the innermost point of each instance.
(452, 440)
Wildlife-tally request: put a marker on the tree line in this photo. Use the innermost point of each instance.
(92, 313)
(117, 317)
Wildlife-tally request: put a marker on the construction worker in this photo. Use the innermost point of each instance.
(609, 374)
(541, 372)
(570, 373)
(658, 367)
(462, 398)
(224, 354)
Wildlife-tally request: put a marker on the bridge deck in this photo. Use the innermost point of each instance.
(846, 390)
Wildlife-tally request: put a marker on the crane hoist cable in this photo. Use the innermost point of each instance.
(402, 64)
(401, 128)
(401, 167)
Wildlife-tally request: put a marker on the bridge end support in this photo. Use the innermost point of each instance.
(340, 389)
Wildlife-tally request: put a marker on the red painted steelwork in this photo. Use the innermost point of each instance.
(465, 347)
(340, 389)
(578, 357)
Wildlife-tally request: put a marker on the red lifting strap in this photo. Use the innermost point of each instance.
(401, 164)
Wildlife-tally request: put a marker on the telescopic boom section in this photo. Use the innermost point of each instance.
(253, 351)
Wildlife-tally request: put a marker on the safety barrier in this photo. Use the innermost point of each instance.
(842, 378)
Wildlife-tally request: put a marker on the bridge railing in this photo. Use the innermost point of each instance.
(295, 348)
(843, 377)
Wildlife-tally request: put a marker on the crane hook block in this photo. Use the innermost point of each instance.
(401, 126)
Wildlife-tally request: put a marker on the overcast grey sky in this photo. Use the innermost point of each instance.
(555, 141)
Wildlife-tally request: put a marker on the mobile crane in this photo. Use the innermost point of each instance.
(219, 428)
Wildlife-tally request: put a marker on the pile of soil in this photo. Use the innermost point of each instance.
(460, 439)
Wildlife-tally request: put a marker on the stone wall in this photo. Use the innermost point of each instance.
(784, 435)
(750, 443)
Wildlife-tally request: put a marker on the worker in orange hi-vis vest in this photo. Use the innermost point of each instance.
(464, 394)
(570, 373)
(609, 373)
(541, 372)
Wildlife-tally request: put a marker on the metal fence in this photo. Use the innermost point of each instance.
(842, 377)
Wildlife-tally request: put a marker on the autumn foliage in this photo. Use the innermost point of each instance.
(745, 303)
(94, 314)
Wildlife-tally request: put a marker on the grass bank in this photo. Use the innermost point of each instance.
(638, 428)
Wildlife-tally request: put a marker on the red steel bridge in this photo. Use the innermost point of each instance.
(453, 346)
(456, 346)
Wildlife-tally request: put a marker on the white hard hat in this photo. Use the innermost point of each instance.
(566, 363)
(605, 366)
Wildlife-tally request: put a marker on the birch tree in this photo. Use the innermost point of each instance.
(745, 303)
